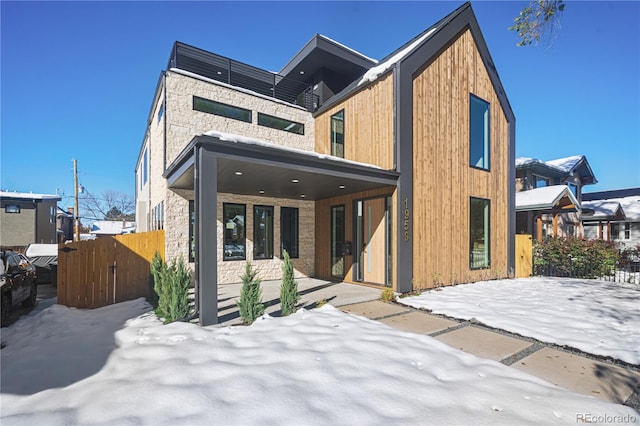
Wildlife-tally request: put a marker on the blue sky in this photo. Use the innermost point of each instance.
(77, 78)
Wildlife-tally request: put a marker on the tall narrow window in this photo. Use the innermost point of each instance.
(337, 134)
(573, 187)
(192, 226)
(478, 133)
(289, 231)
(479, 232)
(627, 230)
(233, 216)
(337, 241)
(263, 232)
(145, 165)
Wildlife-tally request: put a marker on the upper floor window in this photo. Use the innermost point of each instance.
(337, 134)
(280, 124)
(223, 110)
(573, 187)
(12, 208)
(160, 112)
(539, 181)
(478, 133)
(145, 165)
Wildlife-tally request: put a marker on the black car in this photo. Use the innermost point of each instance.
(18, 282)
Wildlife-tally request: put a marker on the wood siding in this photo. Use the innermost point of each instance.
(323, 230)
(368, 124)
(443, 179)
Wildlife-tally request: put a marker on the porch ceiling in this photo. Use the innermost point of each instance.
(248, 169)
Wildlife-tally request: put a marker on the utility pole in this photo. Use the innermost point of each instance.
(76, 230)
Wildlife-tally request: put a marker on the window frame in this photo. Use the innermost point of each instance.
(486, 234)
(334, 143)
(537, 178)
(12, 208)
(272, 118)
(224, 110)
(226, 257)
(268, 245)
(296, 225)
(486, 145)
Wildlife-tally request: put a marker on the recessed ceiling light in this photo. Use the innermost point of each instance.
(301, 72)
(261, 191)
(302, 195)
(295, 180)
(219, 72)
(341, 186)
(238, 173)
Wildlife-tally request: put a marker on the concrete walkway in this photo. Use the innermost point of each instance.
(577, 372)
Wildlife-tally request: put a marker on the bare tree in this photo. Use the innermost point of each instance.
(539, 19)
(110, 205)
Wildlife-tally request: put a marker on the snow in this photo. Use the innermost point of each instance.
(112, 227)
(543, 198)
(35, 250)
(597, 317)
(374, 73)
(231, 137)
(602, 209)
(630, 206)
(29, 195)
(119, 365)
(566, 164)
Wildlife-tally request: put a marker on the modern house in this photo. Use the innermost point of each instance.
(549, 196)
(398, 172)
(613, 216)
(27, 218)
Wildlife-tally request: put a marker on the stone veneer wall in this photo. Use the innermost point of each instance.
(183, 124)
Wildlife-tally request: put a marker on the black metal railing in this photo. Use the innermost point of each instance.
(234, 73)
(621, 272)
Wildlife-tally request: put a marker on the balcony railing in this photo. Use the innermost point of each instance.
(238, 74)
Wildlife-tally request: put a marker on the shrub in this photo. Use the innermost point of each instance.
(154, 280)
(289, 296)
(388, 295)
(250, 302)
(171, 285)
(574, 257)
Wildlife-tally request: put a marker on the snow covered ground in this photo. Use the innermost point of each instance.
(118, 365)
(598, 317)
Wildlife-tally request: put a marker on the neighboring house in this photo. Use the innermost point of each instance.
(556, 211)
(398, 172)
(27, 218)
(613, 216)
(64, 224)
(109, 228)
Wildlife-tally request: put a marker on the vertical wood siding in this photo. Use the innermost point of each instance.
(368, 125)
(443, 179)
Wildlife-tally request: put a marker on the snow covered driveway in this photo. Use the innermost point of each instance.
(598, 317)
(315, 367)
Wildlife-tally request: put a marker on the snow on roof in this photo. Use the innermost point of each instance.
(111, 227)
(35, 250)
(230, 137)
(566, 164)
(29, 195)
(543, 198)
(375, 72)
(630, 206)
(375, 61)
(602, 209)
(523, 161)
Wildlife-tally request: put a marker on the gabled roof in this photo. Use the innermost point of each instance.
(560, 167)
(629, 200)
(28, 196)
(546, 198)
(602, 210)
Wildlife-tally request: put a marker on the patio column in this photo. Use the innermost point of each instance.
(206, 210)
(539, 228)
(555, 225)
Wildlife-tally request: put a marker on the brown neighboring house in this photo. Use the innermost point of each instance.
(27, 218)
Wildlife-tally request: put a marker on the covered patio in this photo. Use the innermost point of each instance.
(533, 205)
(224, 163)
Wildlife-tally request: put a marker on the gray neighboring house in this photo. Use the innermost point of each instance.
(613, 216)
(27, 218)
(64, 224)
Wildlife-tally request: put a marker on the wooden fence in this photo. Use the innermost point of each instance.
(107, 270)
(524, 256)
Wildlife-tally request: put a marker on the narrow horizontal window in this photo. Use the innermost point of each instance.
(12, 208)
(280, 124)
(223, 110)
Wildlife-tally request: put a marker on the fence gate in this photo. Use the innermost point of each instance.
(524, 256)
(108, 270)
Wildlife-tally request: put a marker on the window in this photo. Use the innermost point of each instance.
(573, 187)
(192, 236)
(233, 216)
(627, 230)
(539, 181)
(145, 163)
(479, 254)
(289, 231)
(12, 208)
(280, 124)
(263, 232)
(337, 134)
(223, 110)
(160, 112)
(479, 133)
